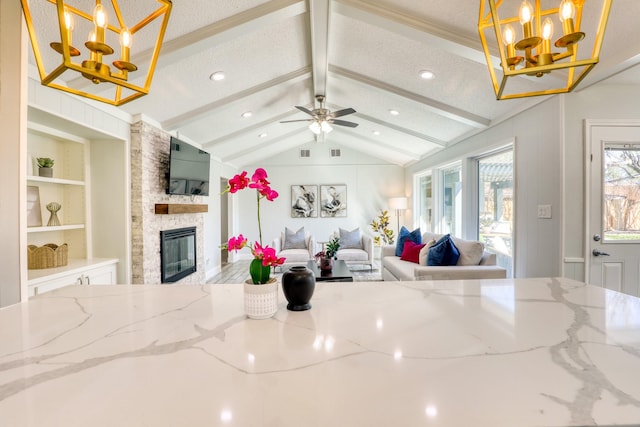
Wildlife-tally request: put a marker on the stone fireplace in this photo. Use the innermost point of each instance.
(149, 165)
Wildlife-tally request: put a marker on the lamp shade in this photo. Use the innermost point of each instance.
(398, 203)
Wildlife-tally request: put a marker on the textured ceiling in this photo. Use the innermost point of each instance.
(362, 54)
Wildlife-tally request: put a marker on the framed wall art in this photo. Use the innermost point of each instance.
(333, 201)
(304, 201)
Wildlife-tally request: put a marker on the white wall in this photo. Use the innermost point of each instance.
(538, 180)
(370, 183)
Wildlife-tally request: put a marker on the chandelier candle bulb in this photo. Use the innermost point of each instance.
(68, 25)
(567, 11)
(526, 18)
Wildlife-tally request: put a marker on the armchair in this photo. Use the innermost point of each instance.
(355, 248)
(296, 250)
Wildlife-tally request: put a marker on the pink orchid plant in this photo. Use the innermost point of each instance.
(264, 257)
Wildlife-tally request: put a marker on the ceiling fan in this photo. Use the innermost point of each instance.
(322, 118)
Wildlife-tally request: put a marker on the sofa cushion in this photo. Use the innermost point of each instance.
(294, 255)
(470, 251)
(405, 235)
(411, 251)
(352, 255)
(350, 239)
(294, 240)
(444, 252)
(424, 252)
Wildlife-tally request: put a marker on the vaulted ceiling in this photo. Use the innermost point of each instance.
(362, 54)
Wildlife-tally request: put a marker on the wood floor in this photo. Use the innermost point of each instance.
(238, 272)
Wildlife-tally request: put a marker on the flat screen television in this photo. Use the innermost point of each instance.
(188, 169)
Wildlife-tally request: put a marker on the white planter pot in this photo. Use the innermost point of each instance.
(261, 301)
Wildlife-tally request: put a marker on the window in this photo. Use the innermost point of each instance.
(495, 206)
(425, 202)
(621, 188)
(452, 200)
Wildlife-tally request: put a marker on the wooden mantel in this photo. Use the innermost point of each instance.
(169, 208)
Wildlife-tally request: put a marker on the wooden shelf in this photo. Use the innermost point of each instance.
(167, 208)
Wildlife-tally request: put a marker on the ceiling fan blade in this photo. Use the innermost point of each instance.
(343, 123)
(304, 110)
(341, 113)
(292, 121)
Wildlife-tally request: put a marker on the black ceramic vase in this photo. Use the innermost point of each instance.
(298, 284)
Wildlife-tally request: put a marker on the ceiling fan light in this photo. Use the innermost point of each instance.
(325, 127)
(315, 128)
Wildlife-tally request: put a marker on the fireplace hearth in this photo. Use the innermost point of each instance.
(177, 253)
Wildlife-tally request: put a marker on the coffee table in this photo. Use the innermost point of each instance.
(339, 273)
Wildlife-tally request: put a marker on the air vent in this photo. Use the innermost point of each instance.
(305, 153)
(335, 152)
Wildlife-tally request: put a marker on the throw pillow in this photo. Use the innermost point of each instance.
(294, 240)
(470, 251)
(405, 235)
(351, 239)
(411, 251)
(424, 252)
(444, 252)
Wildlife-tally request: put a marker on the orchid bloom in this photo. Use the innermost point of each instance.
(238, 182)
(269, 257)
(237, 243)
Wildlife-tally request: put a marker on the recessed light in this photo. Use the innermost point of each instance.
(247, 114)
(217, 76)
(376, 132)
(262, 135)
(394, 112)
(427, 74)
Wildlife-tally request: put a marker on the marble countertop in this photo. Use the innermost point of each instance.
(525, 352)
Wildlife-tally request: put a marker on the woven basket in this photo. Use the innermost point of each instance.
(261, 301)
(48, 256)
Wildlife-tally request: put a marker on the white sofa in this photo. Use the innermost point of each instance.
(474, 263)
(295, 256)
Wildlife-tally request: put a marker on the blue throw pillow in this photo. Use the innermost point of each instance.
(444, 252)
(415, 236)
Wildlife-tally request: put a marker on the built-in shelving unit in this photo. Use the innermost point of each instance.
(71, 187)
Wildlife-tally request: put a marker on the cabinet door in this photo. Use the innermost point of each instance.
(74, 279)
(101, 276)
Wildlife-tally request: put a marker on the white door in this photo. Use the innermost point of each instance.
(613, 197)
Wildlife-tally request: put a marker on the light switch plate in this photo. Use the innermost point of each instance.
(544, 211)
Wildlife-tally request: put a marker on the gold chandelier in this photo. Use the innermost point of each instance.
(527, 50)
(105, 27)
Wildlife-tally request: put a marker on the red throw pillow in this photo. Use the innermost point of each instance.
(411, 251)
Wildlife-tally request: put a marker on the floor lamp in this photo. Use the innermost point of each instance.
(399, 204)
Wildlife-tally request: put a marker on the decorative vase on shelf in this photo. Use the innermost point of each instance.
(326, 264)
(298, 284)
(260, 301)
(53, 207)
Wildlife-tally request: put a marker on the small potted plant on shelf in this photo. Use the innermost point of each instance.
(325, 258)
(45, 166)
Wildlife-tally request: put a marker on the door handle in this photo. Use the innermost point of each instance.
(596, 252)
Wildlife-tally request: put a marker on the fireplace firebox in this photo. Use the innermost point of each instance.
(177, 253)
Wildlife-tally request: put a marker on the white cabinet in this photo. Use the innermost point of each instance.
(78, 272)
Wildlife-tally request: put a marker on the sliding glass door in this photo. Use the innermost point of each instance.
(495, 206)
